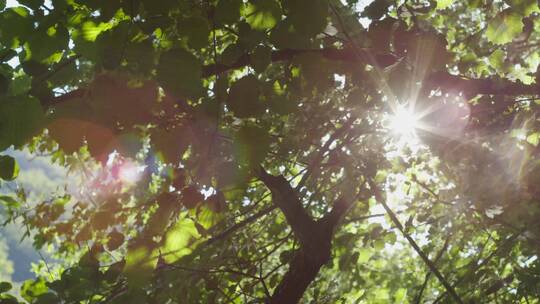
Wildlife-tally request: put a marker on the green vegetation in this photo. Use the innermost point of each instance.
(275, 151)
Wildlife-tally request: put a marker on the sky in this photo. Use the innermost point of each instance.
(41, 178)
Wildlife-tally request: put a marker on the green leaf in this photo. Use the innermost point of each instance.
(141, 259)
(534, 139)
(178, 240)
(90, 31)
(442, 4)
(504, 27)
(47, 298)
(496, 59)
(20, 119)
(196, 30)
(114, 271)
(9, 169)
(170, 144)
(20, 85)
(31, 289)
(5, 286)
(399, 296)
(390, 238)
(7, 54)
(157, 7)
(379, 244)
(262, 14)
(252, 145)
(231, 54)
(244, 97)
(110, 45)
(140, 55)
(33, 4)
(9, 202)
(45, 42)
(364, 255)
(228, 11)
(285, 35)
(260, 58)
(524, 7)
(309, 17)
(230, 175)
(248, 38)
(16, 24)
(2, 4)
(377, 9)
(180, 72)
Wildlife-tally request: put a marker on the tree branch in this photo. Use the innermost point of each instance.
(316, 162)
(473, 87)
(379, 197)
(439, 80)
(332, 218)
(315, 238)
(484, 262)
(286, 199)
(418, 297)
(348, 55)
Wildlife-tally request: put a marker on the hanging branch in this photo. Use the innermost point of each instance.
(428, 275)
(379, 197)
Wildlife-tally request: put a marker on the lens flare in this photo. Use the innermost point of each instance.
(129, 172)
(403, 121)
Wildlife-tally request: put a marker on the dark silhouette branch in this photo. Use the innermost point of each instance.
(439, 80)
(418, 297)
(287, 200)
(347, 55)
(472, 87)
(315, 238)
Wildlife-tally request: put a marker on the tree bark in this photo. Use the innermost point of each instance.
(303, 269)
(315, 238)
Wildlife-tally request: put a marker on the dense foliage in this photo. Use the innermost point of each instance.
(277, 151)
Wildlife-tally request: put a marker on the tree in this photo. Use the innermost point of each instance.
(278, 151)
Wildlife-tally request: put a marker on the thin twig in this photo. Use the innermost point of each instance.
(428, 275)
(449, 288)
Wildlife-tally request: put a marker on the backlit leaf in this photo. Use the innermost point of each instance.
(262, 14)
(504, 27)
(442, 4)
(178, 240)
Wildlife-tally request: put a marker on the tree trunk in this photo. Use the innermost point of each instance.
(315, 238)
(303, 269)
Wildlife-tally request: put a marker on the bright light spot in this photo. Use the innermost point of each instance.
(129, 172)
(403, 122)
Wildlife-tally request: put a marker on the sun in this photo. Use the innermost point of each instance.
(403, 122)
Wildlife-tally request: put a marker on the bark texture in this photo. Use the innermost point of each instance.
(315, 238)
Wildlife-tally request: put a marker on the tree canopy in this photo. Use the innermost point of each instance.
(276, 151)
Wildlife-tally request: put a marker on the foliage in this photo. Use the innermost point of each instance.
(277, 150)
